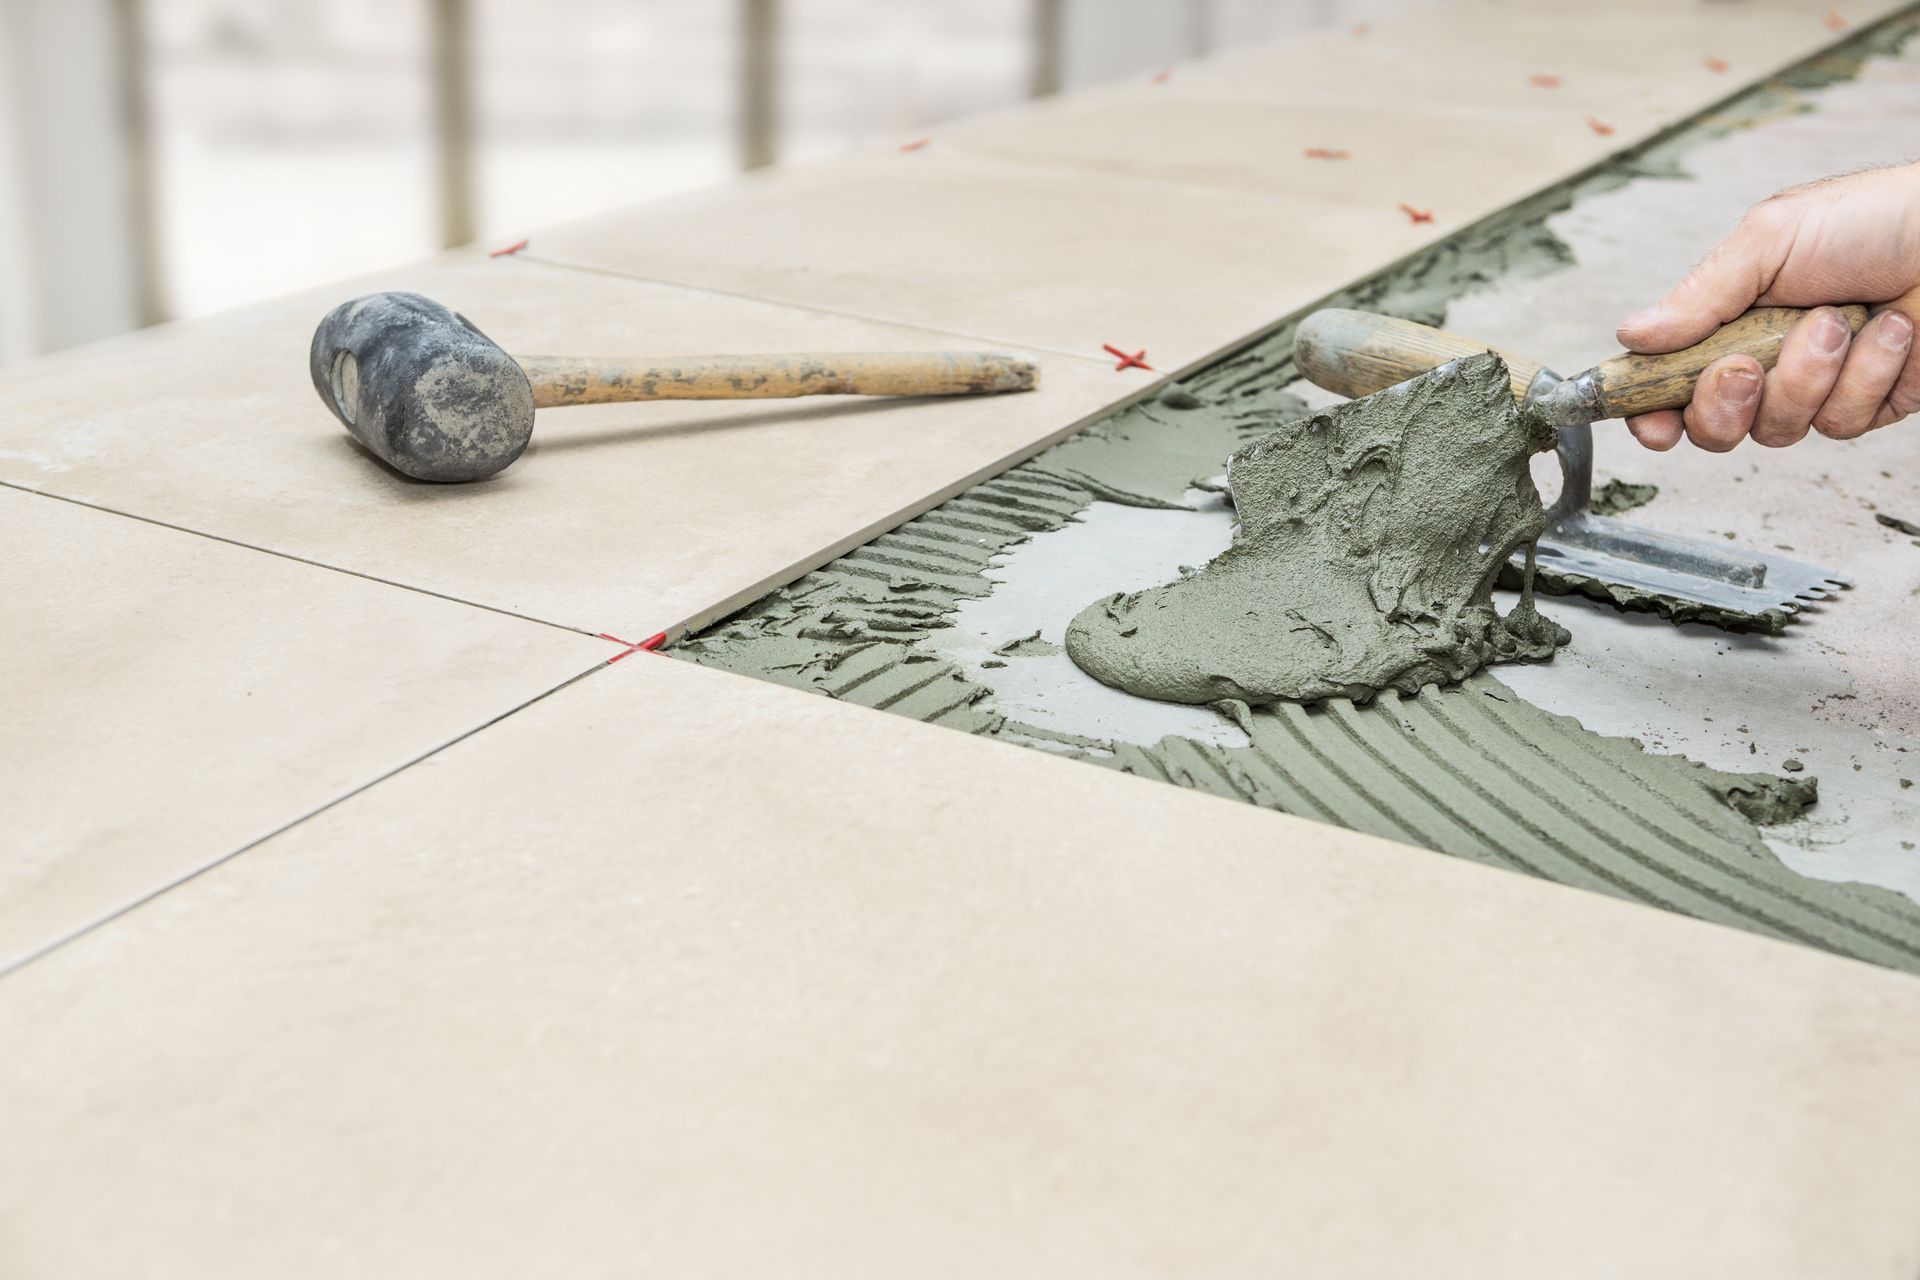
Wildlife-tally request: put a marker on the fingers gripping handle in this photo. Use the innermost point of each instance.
(560, 380)
(1631, 384)
(1356, 353)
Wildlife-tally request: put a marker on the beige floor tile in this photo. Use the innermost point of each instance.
(1456, 162)
(1406, 69)
(1643, 55)
(1459, 131)
(1183, 216)
(168, 698)
(626, 519)
(1045, 255)
(723, 979)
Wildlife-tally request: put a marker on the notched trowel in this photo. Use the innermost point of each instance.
(1356, 353)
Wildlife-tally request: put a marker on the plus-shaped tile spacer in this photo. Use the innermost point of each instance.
(509, 251)
(1416, 215)
(1599, 126)
(650, 645)
(1138, 360)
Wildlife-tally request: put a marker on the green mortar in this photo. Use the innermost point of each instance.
(1470, 770)
(1367, 543)
(1616, 497)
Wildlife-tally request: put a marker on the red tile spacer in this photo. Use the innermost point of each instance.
(915, 145)
(651, 644)
(1544, 81)
(1834, 21)
(1361, 28)
(1600, 127)
(1163, 76)
(509, 251)
(1328, 153)
(1715, 65)
(627, 652)
(1138, 360)
(1416, 215)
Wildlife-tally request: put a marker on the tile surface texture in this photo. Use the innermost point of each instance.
(1177, 218)
(986, 1012)
(682, 973)
(169, 698)
(627, 519)
(1183, 216)
(1840, 693)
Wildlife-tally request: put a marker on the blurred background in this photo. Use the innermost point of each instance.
(166, 158)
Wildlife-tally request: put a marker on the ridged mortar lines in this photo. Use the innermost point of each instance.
(1472, 771)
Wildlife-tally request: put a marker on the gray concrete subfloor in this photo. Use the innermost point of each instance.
(1839, 692)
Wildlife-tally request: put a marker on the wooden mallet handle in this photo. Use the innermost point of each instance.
(561, 380)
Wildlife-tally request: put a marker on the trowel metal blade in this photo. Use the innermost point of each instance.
(1684, 579)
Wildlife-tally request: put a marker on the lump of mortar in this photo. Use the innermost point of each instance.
(1368, 543)
(1028, 647)
(1895, 523)
(1617, 496)
(1762, 798)
(1178, 397)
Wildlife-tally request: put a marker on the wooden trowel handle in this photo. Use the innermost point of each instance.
(1630, 384)
(1357, 353)
(559, 380)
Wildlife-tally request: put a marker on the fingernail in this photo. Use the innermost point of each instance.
(1737, 386)
(1896, 331)
(1642, 319)
(1829, 333)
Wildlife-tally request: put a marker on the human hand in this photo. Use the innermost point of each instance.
(1840, 240)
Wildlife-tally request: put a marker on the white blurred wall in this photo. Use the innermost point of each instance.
(16, 319)
(1106, 39)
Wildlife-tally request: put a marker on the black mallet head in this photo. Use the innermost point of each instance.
(420, 386)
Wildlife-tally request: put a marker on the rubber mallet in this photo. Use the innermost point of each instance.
(437, 400)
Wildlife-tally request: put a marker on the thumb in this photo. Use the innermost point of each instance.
(1721, 286)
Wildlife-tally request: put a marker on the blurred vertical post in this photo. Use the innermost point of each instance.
(1111, 39)
(1047, 34)
(136, 127)
(759, 88)
(453, 118)
(1199, 27)
(17, 327)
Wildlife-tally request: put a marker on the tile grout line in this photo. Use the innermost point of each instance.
(18, 963)
(517, 253)
(10, 967)
(288, 555)
(1636, 145)
(712, 613)
(1641, 141)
